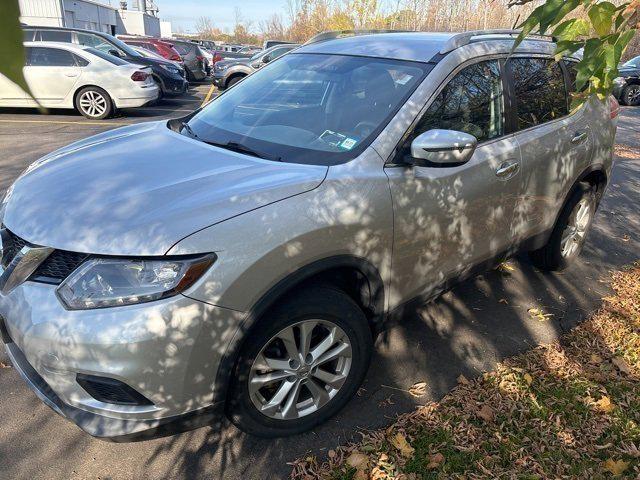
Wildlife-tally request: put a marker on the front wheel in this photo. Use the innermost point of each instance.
(94, 103)
(631, 95)
(569, 235)
(301, 365)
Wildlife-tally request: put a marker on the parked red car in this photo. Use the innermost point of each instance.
(165, 49)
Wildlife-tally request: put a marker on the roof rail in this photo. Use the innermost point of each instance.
(333, 34)
(465, 38)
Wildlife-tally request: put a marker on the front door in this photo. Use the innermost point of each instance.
(447, 219)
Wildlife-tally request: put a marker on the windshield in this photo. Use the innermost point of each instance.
(106, 56)
(309, 108)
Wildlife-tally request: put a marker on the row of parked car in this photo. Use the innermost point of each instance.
(97, 73)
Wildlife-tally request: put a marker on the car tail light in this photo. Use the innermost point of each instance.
(139, 76)
(614, 107)
(175, 57)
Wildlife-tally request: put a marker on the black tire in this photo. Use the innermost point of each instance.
(95, 92)
(233, 80)
(316, 302)
(631, 95)
(550, 257)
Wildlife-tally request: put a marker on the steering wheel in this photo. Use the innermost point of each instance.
(364, 128)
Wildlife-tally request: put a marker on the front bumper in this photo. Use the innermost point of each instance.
(219, 80)
(174, 86)
(168, 351)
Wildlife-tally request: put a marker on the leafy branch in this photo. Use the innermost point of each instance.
(600, 29)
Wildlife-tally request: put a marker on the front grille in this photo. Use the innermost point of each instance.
(11, 245)
(54, 269)
(58, 266)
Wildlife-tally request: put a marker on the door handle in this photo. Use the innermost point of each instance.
(579, 137)
(507, 169)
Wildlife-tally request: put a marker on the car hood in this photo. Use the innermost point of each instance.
(629, 71)
(139, 190)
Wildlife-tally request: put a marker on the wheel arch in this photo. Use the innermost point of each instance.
(82, 87)
(595, 175)
(238, 74)
(356, 276)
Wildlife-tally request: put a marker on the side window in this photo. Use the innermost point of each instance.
(81, 62)
(540, 91)
(28, 35)
(55, 36)
(278, 52)
(50, 57)
(472, 102)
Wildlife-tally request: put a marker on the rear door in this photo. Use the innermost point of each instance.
(554, 145)
(51, 73)
(448, 219)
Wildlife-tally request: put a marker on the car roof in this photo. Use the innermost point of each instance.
(81, 30)
(412, 46)
(63, 45)
(415, 46)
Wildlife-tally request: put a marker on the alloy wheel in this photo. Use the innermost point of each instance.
(633, 95)
(576, 230)
(300, 369)
(93, 103)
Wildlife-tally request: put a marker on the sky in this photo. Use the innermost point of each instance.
(184, 13)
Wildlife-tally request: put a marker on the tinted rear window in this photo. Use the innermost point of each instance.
(54, 36)
(49, 57)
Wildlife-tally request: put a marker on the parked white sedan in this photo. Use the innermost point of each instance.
(63, 75)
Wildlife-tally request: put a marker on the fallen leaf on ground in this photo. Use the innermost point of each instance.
(503, 300)
(486, 413)
(616, 467)
(528, 378)
(358, 460)
(604, 404)
(332, 453)
(4, 365)
(462, 380)
(622, 365)
(595, 358)
(361, 475)
(539, 314)
(435, 460)
(505, 267)
(419, 389)
(400, 442)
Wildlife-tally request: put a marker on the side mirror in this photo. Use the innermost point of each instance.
(444, 148)
(114, 52)
(266, 59)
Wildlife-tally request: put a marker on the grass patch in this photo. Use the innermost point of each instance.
(570, 409)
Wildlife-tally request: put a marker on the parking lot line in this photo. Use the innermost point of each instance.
(209, 93)
(58, 122)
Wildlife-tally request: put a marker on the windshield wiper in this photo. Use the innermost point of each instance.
(185, 126)
(237, 147)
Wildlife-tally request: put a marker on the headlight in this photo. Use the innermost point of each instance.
(112, 282)
(221, 67)
(170, 68)
(620, 81)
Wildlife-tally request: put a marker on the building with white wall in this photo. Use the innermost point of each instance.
(109, 16)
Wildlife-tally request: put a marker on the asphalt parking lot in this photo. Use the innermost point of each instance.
(466, 331)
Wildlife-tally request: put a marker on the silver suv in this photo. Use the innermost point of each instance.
(244, 258)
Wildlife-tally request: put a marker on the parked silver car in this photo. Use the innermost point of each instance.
(244, 258)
